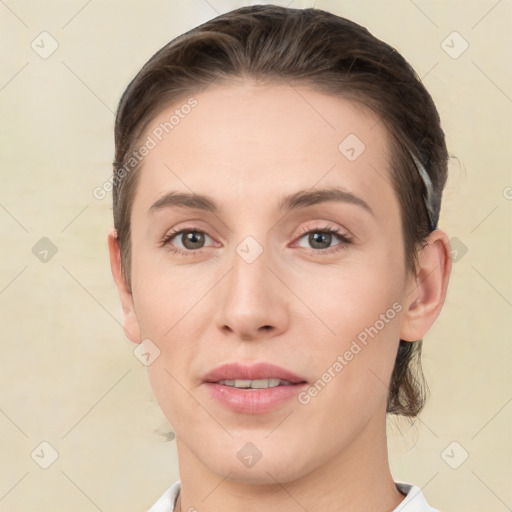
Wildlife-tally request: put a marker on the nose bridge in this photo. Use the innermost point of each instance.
(249, 278)
(252, 301)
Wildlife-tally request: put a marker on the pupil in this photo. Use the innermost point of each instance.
(193, 239)
(316, 238)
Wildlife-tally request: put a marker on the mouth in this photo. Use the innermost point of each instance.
(253, 389)
(257, 383)
(256, 376)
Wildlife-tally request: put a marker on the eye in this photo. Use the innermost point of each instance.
(320, 239)
(192, 240)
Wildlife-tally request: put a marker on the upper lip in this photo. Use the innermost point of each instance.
(262, 370)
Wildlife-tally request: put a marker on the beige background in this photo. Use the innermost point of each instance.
(69, 377)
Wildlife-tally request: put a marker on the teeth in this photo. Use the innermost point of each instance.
(255, 384)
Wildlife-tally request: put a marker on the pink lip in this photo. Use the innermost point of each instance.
(252, 401)
(232, 371)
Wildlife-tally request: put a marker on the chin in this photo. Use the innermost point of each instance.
(244, 463)
(261, 473)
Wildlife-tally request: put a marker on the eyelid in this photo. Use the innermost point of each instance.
(345, 238)
(174, 232)
(326, 227)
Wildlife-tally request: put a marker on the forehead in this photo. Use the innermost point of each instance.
(250, 141)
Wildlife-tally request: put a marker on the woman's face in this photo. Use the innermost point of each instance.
(260, 279)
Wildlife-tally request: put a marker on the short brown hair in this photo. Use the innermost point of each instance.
(312, 47)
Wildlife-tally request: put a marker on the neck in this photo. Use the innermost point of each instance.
(354, 479)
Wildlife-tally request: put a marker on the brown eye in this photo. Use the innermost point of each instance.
(192, 239)
(321, 239)
(185, 242)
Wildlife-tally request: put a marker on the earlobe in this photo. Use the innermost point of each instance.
(426, 297)
(130, 323)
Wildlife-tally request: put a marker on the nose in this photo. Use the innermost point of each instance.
(253, 302)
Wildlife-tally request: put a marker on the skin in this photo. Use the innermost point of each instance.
(246, 145)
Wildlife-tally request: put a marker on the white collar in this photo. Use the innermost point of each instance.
(414, 500)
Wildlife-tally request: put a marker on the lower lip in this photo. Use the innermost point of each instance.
(253, 401)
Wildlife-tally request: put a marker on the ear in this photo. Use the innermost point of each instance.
(130, 323)
(427, 288)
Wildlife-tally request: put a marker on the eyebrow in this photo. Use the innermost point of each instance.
(295, 201)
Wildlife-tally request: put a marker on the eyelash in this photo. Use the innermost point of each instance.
(345, 239)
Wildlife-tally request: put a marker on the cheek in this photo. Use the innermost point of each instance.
(164, 294)
(353, 370)
(360, 310)
(348, 298)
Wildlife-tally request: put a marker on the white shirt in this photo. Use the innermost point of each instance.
(414, 500)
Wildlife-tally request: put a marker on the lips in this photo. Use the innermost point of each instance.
(258, 371)
(252, 388)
